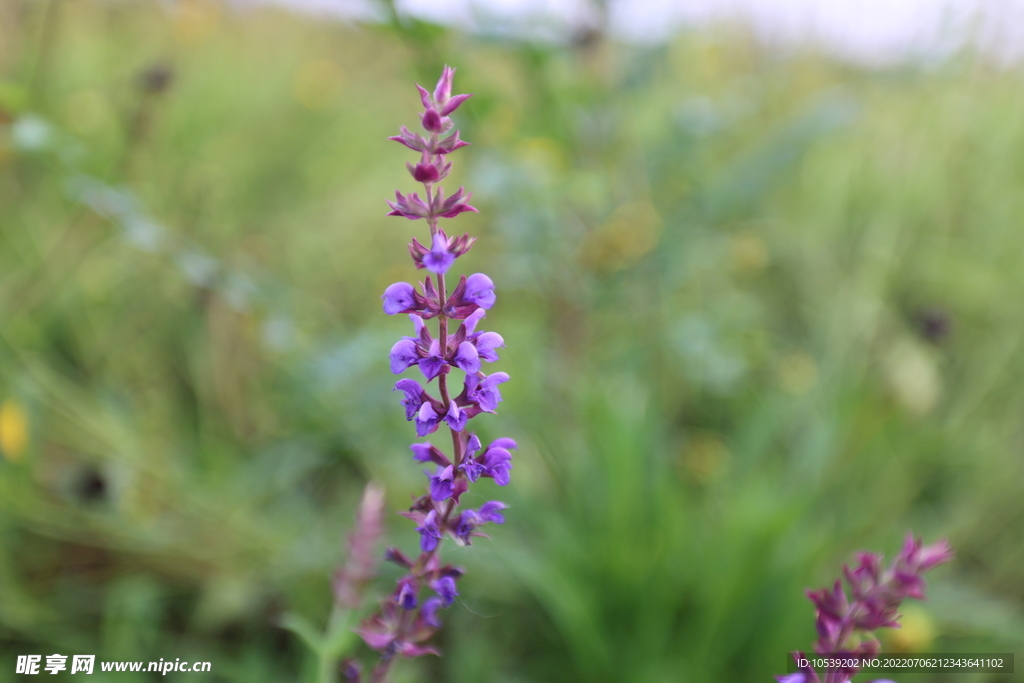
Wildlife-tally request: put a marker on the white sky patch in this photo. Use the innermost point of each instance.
(869, 31)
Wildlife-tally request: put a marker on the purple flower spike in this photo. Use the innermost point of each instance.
(403, 354)
(414, 396)
(846, 626)
(439, 259)
(467, 358)
(404, 623)
(430, 534)
(426, 420)
(480, 290)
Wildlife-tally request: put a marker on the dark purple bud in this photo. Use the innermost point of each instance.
(466, 358)
(351, 671)
(479, 290)
(424, 172)
(445, 588)
(439, 259)
(405, 594)
(398, 557)
(433, 363)
(441, 483)
(432, 120)
(426, 420)
(456, 417)
(430, 534)
(414, 396)
(426, 452)
(403, 354)
(429, 612)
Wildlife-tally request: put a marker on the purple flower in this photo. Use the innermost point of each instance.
(441, 483)
(434, 362)
(485, 392)
(414, 396)
(480, 290)
(445, 588)
(439, 259)
(430, 534)
(846, 626)
(426, 419)
(406, 593)
(489, 512)
(429, 612)
(486, 343)
(456, 417)
(403, 354)
(399, 298)
(467, 358)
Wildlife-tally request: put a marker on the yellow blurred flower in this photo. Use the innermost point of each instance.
(13, 430)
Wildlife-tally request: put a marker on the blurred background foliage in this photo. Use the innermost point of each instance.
(762, 310)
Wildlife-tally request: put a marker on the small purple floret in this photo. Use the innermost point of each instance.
(398, 297)
(430, 534)
(480, 290)
(403, 354)
(445, 588)
(438, 259)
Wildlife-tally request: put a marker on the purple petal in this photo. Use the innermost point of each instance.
(426, 420)
(403, 354)
(429, 612)
(456, 417)
(398, 297)
(454, 103)
(438, 259)
(489, 512)
(413, 396)
(487, 342)
(445, 588)
(467, 358)
(480, 290)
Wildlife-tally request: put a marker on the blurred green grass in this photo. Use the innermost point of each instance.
(761, 312)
